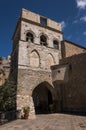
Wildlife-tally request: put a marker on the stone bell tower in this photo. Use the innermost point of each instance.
(36, 46)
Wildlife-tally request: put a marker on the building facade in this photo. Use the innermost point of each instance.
(69, 77)
(37, 45)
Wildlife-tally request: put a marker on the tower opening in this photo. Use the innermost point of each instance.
(29, 37)
(42, 98)
(43, 40)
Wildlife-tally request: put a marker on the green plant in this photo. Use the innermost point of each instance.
(26, 110)
(8, 95)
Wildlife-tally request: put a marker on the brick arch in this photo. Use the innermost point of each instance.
(34, 59)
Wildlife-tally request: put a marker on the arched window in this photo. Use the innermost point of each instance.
(29, 37)
(56, 44)
(43, 40)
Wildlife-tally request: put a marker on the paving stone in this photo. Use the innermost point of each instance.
(48, 122)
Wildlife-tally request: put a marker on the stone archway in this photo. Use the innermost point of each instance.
(42, 98)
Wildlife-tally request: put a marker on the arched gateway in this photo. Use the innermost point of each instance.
(43, 96)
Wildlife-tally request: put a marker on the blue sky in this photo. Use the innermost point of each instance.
(70, 13)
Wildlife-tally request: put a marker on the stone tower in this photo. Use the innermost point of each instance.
(36, 46)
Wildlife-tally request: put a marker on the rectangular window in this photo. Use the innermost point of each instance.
(43, 21)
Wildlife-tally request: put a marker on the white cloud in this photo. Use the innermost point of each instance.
(81, 4)
(76, 21)
(84, 33)
(83, 18)
(63, 24)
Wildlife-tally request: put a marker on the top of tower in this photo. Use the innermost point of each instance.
(40, 20)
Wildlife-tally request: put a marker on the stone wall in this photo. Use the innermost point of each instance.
(44, 56)
(73, 91)
(33, 60)
(69, 49)
(37, 31)
(26, 14)
(33, 69)
(60, 73)
(28, 80)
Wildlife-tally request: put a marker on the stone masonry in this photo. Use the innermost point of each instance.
(38, 45)
(30, 60)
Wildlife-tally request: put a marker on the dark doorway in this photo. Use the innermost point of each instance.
(42, 98)
(50, 101)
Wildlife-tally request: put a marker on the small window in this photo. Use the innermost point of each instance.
(43, 40)
(29, 37)
(43, 21)
(55, 44)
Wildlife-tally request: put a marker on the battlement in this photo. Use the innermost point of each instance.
(41, 20)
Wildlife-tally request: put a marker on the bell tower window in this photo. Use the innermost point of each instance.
(56, 44)
(43, 40)
(29, 37)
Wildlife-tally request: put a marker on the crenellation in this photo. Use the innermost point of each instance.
(36, 18)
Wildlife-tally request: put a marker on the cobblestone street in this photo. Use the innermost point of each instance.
(48, 122)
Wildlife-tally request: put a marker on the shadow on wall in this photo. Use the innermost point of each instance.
(72, 92)
(63, 49)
